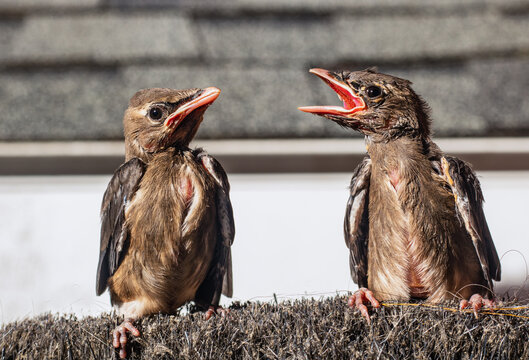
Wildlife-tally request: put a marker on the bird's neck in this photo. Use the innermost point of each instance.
(397, 152)
(401, 161)
(137, 152)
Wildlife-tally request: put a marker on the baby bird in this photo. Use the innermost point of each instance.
(414, 222)
(167, 222)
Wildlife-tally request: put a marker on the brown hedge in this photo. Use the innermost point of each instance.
(301, 329)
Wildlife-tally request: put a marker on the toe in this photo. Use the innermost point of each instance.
(489, 303)
(352, 300)
(209, 313)
(475, 308)
(115, 336)
(223, 312)
(131, 328)
(476, 298)
(217, 310)
(364, 312)
(359, 300)
(361, 297)
(122, 336)
(371, 297)
(119, 337)
(476, 302)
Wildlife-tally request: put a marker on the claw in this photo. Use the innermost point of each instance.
(217, 310)
(359, 298)
(476, 301)
(119, 336)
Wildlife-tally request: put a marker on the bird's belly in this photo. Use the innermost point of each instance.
(404, 258)
(172, 239)
(415, 264)
(417, 288)
(398, 268)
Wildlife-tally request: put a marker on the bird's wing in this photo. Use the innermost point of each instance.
(356, 222)
(469, 206)
(219, 278)
(114, 235)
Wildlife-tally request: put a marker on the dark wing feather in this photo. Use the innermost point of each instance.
(114, 239)
(469, 207)
(356, 222)
(219, 279)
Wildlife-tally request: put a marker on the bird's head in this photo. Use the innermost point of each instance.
(157, 119)
(380, 106)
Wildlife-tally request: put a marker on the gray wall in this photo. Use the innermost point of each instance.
(68, 67)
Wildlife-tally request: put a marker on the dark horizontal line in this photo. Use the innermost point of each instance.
(200, 60)
(241, 164)
(430, 62)
(218, 9)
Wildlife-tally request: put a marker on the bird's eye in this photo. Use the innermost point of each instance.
(155, 113)
(373, 91)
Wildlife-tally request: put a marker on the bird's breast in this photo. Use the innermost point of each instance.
(394, 178)
(406, 237)
(173, 210)
(172, 225)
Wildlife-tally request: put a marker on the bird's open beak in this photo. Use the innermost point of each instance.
(205, 98)
(352, 103)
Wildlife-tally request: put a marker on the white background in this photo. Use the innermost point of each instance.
(288, 241)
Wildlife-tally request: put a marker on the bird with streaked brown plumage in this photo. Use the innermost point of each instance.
(166, 218)
(414, 222)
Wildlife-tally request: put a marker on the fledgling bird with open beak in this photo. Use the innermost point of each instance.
(167, 222)
(414, 222)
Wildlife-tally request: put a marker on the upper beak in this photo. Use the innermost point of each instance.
(352, 103)
(205, 98)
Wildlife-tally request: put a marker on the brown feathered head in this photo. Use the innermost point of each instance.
(157, 119)
(378, 105)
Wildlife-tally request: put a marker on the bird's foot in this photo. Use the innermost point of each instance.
(359, 298)
(476, 302)
(120, 336)
(217, 310)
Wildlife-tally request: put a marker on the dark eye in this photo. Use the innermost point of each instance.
(155, 113)
(373, 91)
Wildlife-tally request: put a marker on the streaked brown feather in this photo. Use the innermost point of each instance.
(469, 206)
(167, 225)
(114, 234)
(172, 242)
(356, 222)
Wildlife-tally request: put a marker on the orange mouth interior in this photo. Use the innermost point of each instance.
(352, 103)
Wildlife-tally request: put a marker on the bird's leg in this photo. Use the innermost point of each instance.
(476, 301)
(217, 310)
(120, 336)
(359, 298)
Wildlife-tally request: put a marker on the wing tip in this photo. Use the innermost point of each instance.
(101, 286)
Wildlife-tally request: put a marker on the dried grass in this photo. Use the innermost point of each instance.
(301, 329)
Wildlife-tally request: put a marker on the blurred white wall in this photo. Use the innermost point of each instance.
(289, 238)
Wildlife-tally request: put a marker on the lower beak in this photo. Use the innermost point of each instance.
(205, 98)
(352, 103)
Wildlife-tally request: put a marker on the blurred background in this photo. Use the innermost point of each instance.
(68, 68)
